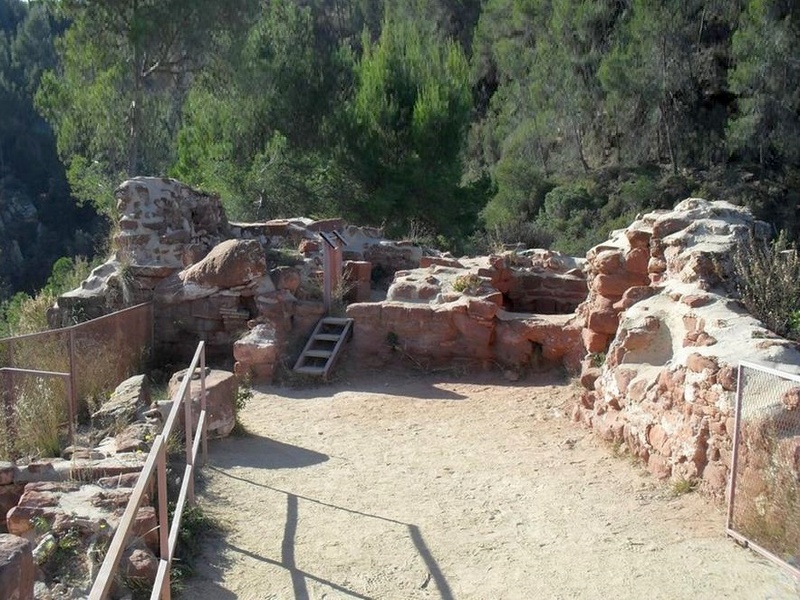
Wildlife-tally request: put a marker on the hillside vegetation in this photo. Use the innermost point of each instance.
(466, 123)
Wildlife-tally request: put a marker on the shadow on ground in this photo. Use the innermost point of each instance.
(287, 561)
(262, 453)
(409, 383)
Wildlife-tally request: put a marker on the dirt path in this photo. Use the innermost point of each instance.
(408, 486)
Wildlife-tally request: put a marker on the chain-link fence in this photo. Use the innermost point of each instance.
(764, 494)
(96, 356)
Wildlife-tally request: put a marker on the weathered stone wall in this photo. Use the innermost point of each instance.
(669, 340)
(475, 330)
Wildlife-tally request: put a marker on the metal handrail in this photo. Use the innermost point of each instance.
(157, 460)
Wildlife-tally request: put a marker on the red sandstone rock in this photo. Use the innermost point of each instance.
(308, 247)
(594, 342)
(589, 376)
(326, 225)
(427, 261)
(603, 322)
(791, 399)
(668, 225)
(286, 278)
(145, 527)
(727, 378)
(638, 238)
(141, 566)
(698, 363)
(613, 286)
(608, 262)
(220, 399)
(17, 570)
(229, 264)
(659, 466)
(637, 260)
(633, 295)
(695, 300)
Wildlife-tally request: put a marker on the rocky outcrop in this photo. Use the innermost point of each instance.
(669, 340)
(126, 404)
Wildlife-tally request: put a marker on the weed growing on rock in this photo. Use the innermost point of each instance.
(467, 284)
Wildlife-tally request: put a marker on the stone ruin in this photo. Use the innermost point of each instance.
(664, 339)
(254, 289)
(644, 319)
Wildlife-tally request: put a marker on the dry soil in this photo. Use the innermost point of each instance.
(406, 486)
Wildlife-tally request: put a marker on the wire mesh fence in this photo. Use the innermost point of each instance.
(764, 494)
(96, 356)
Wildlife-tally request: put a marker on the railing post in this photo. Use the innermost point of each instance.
(187, 403)
(163, 519)
(73, 386)
(8, 405)
(203, 433)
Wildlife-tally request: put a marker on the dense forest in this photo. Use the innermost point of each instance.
(463, 123)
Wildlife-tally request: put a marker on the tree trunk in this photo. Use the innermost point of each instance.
(579, 142)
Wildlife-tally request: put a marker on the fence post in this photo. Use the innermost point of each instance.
(163, 519)
(8, 406)
(203, 403)
(735, 460)
(187, 403)
(73, 386)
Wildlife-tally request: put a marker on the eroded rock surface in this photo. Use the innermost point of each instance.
(669, 339)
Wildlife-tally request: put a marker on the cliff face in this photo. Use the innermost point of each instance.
(19, 230)
(37, 231)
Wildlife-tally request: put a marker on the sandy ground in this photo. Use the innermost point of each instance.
(406, 486)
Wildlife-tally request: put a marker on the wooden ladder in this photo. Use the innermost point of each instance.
(324, 346)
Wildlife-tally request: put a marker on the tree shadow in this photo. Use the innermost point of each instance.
(263, 453)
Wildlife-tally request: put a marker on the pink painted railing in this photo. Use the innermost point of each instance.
(157, 462)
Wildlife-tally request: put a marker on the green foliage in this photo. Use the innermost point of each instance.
(23, 314)
(767, 69)
(766, 278)
(407, 124)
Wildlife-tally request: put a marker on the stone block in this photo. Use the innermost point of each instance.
(17, 569)
(221, 389)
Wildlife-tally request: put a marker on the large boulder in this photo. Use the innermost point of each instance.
(231, 263)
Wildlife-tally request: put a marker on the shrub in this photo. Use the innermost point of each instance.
(767, 279)
(467, 283)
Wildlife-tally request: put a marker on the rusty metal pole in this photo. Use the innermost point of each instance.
(73, 386)
(327, 276)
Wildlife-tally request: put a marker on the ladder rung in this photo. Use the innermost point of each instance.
(327, 337)
(310, 370)
(335, 321)
(318, 353)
